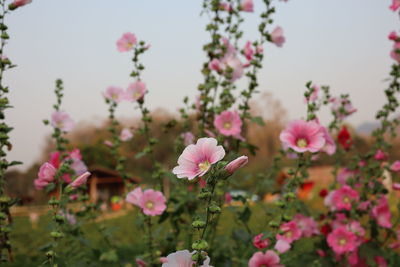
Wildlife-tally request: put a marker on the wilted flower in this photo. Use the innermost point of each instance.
(126, 42)
(197, 159)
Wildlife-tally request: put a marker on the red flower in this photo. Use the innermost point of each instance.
(344, 138)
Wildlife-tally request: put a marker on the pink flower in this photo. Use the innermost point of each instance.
(248, 51)
(342, 107)
(393, 36)
(134, 196)
(395, 52)
(45, 176)
(215, 65)
(380, 261)
(152, 202)
(303, 136)
(396, 186)
(182, 258)
(126, 42)
(114, 93)
(277, 36)
(260, 243)
(228, 198)
(314, 95)
(226, 6)
(269, 259)
(228, 123)
(395, 167)
(247, 5)
(380, 155)
(125, 135)
(233, 63)
(188, 138)
(136, 91)
(344, 174)
(342, 240)
(81, 180)
(236, 164)
(108, 143)
(381, 213)
(62, 121)
(19, 3)
(260, 49)
(330, 145)
(291, 233)
(75, 154)
(197, 159)
(343, 198)
(307, 225)
(395, 5)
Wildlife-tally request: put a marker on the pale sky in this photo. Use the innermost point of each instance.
(342, 43)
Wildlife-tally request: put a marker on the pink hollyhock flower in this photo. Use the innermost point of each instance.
(40, 184)
(233, 63)
(393, 36)
(395, 167)
(269, 259)
(291, 233)
(314, 95)
(344, 174)
(78, 166)
(134, 196)
(108, 143)
(248, 51)
(75, 154)
(343, 198)
(188, 138)
(55, 159)
(342, 240)
(302, 136)
(277, 36)
(260, 243)
(114, 93)
(140, 262)
(381, 212)
(330, 145)
(126, 42)
(183, 258)
(47, 172)
(125, 135)
(380, 155)
(307, 225)
(380, 261)
(228, 198)
(395, 5)
(62, 121)
(260, 49)
(342, 107)
(19, 3)
(152, 202)
(136, 91)
(358, 230)
(228, 123)
(396, 186)
(236, 164)
(215, 65)
(395, 52)
(247, 6)
(73, 197)
(197, 159)
(364, 205)
(81, 180)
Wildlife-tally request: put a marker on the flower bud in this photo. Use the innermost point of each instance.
(200, 245)
(236, 164)
(198, 224)
(214, 209)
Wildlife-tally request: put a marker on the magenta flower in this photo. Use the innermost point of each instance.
(197, 159)
(248, 51)
(236, 164)
(380, 155)
(394, 54)
(395, 167)
(342, 240)
(303, 136)
(182, 258)
(81, 180)
(125, 135)
(114, 93)
(393, 36)
(395, 5)
(215, 65)
(62, 121)
(126, 42)
(343, 198)
(344, 174)
(19, 3)
(135, 91)
(247, 6)
(269, 259)
(277, 36)
(260, 243)
(228, 123)
(381, 213)
(307, 225)
(380, 261)
(152, 202)
(134, 196)
(290, 233)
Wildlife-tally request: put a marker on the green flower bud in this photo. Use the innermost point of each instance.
(56, 235)
(199, 224)
(214, 209)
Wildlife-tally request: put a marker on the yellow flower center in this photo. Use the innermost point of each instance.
(288, 234)
(129, 45)
(301, 142)
(149, 205)
(346, 200)
(227, 125)
(137, 94)
(342, 242)
(203, 166)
